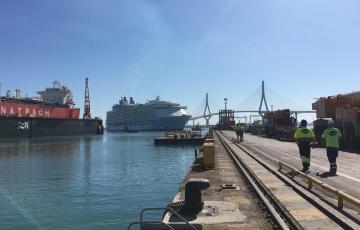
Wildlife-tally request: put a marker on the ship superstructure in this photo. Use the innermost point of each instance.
(54, 102)
(57, 94)
(153, 115)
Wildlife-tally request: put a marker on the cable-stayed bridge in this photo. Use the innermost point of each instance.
(246, 115)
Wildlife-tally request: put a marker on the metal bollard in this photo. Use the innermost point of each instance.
(193, 199)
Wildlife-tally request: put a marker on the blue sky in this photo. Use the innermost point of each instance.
(181, 49)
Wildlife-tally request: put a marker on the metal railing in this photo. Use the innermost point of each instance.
(172, 211)
(311, 181)
(149, 222)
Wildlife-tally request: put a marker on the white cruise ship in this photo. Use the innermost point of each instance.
(153, 115)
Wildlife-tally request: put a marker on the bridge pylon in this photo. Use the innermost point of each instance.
(263, 99)
(207, 114)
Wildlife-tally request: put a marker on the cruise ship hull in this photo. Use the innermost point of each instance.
(160, 124)
(12, 127)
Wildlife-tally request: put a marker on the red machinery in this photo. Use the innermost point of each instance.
(280, 124)
(345, 111)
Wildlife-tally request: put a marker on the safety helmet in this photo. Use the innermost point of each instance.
(303, 123)
(331, 123)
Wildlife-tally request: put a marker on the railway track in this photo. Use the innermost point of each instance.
(290, 205)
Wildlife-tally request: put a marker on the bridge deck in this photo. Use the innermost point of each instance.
(249, 111)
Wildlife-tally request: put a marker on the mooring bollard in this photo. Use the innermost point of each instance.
(193, 197)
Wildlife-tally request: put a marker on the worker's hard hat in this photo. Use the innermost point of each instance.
(303, 123)
(331, 123)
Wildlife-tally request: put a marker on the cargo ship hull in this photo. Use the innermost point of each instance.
(12, 127)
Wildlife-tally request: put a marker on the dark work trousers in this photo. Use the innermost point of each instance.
(332, 154)
(240, 135)
(305, 150)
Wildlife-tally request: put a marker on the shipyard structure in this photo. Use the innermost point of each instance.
(153, 115)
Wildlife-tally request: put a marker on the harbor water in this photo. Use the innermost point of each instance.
(92, 182)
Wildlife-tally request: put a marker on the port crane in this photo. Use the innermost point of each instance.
(87, 114)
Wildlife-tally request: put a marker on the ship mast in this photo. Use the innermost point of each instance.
(87, 114)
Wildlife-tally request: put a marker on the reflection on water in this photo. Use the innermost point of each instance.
(92, 182)
(63, 145)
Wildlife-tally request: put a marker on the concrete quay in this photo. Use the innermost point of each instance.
(239, 205)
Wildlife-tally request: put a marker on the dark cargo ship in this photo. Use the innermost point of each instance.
(51, 114)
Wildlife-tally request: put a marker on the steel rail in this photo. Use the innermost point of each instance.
(343, 220)
(242, 167)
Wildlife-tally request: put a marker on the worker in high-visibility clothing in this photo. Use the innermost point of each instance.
(239, 130)
(331, 136)
(304, 138)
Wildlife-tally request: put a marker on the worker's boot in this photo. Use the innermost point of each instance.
(333, 169)
(303, 169)
(303, 161)
(306, 169)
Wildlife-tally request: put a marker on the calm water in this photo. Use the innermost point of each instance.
(98, 182)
